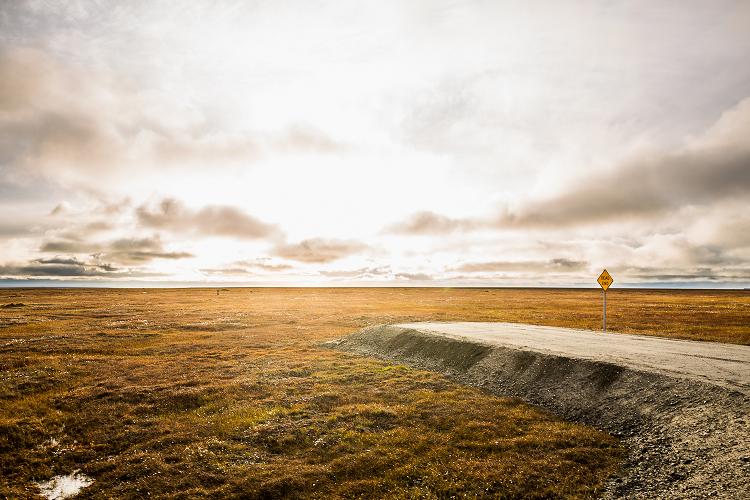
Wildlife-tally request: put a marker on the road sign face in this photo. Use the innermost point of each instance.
(605, 280)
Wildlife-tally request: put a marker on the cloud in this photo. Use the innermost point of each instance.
(361, 273)
(644, 189)
(106, 128)
(45, 126)
(60, 208)
(414, 276)
(657, 274)
(68, 261)
(305, 139)
(713, 167)
(245, 267)
(211, 220)
(139, 250)
(732, 232)
(69, 268)
(677, 250)
(553, 265)
(264, 265)
(51, 270)
(427, 222)
(77, 232)
(69, 246)
(227, 271)
(123, 250)
(97, 226)
(319, 250)
(70, 227)
(13, 229)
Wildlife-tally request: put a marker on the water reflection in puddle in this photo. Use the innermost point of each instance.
(64, 486)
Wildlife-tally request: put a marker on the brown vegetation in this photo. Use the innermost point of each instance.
(185, 393)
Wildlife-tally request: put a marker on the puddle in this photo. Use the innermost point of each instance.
(64, 486)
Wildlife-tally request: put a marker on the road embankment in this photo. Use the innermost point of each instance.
(686, 438)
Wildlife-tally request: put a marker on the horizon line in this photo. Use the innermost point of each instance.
(177, 286)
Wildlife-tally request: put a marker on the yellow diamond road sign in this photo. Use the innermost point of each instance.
(605, 280)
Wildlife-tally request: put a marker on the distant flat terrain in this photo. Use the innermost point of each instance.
(724, 365)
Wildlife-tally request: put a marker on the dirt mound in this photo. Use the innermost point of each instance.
(686, 439)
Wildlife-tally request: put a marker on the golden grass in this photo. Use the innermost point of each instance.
(183, 393)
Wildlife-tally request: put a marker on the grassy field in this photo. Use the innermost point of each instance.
(184, 393)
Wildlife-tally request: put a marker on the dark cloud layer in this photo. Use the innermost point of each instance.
(61, 270)
(69, 267)
(212, 220)
(645, 188)
(139, 250)
(124, 251)
(65, 261)
(717, 273)
(554, 265)
(98, 261)
(713, 167)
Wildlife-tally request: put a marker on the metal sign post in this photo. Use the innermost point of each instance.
(604, 280)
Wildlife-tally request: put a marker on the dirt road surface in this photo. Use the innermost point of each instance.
(725, 365)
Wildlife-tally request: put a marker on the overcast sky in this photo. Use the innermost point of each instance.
(390, 142)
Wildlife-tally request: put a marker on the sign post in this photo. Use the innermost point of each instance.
(604, 280)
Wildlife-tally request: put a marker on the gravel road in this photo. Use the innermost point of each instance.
(725, 365)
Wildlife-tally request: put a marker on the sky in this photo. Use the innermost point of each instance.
(418, 143)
